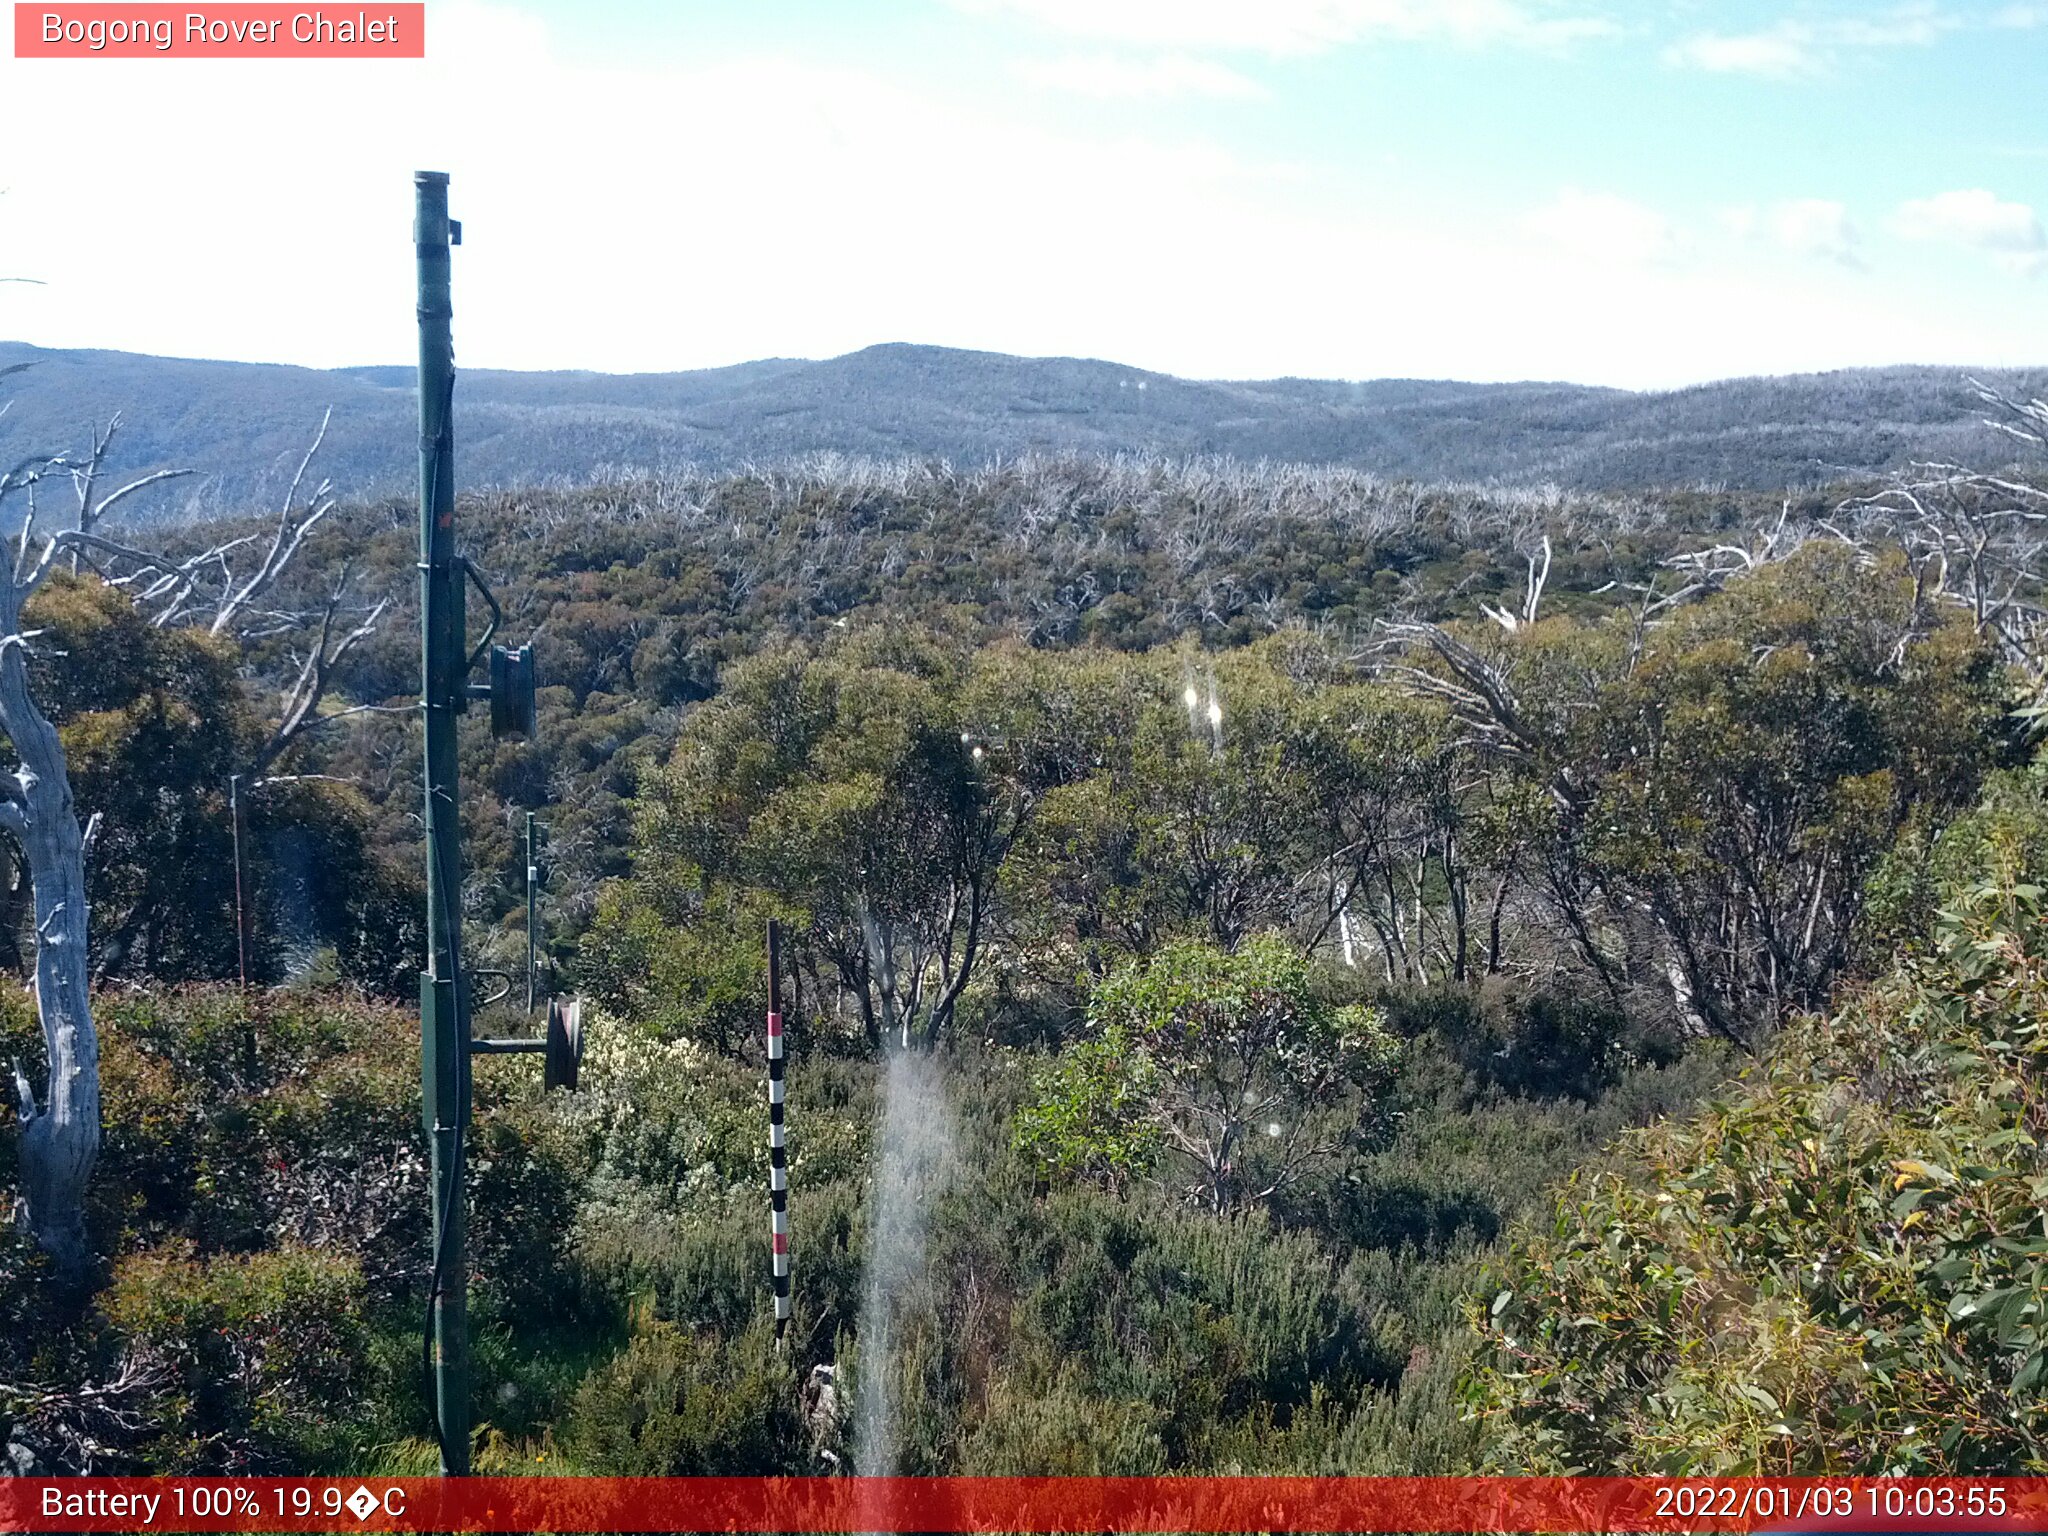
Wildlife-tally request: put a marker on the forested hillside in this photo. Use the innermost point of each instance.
(642, 592)
(1222, 908)
(244, 425)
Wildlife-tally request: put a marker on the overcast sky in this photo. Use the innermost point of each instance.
(1646, 193)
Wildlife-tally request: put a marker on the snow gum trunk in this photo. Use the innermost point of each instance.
(60, 1139)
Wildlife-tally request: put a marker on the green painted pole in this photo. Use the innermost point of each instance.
(444, 995)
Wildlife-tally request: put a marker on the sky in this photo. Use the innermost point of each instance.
(1645, 194)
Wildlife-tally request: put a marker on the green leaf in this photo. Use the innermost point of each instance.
(2028, 1377)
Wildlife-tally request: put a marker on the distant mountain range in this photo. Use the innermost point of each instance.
(244, 425)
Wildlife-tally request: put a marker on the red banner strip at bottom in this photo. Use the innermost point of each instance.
(1025, 1504)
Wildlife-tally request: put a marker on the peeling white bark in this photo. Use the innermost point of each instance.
(60, 1138)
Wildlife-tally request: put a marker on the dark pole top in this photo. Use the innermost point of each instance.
(430, 178)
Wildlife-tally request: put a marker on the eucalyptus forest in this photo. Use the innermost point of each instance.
(1285, 970)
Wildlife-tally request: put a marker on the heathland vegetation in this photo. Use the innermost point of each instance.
(1402, 978)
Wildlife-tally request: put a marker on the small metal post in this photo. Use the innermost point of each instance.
(241, 920)
(778, 1166)
(242, 930)
(532, 886)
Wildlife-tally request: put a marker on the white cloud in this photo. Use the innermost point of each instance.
(1817, 227)
(847, 206)
(1793, 48)
(1298, 26)
(591, 243)
(1604, 229)
(2010, 232)
(1778, 53)
(1903, 26)
(1109, 77)
(2021, 17)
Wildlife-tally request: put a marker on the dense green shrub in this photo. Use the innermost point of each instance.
(1838, 1269)
(154, 720)
(265, 1152)
(1092, 1116)
(1208, 1323)
(249, 1360)
(1537, 1043)
(677, 1404)
(1066, 1429)
(1933, 860)
(669, 1125)
(1232, 1063)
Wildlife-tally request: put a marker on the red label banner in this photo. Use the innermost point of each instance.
(223, 31)
(1025, 1504)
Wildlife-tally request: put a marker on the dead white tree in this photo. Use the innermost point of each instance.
(1977, 540)
(2023, 420)
(59, 1131)
(332, 639)
(1532, 595)
(60, 1134)
(1478, 688)
(217, 589)
(1712, 568)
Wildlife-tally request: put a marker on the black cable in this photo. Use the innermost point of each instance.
(434, 1291)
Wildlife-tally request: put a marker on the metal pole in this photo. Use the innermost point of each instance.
(242, 930)
(778, 1167)
(532, 885)
(444, 996)
(241, 922)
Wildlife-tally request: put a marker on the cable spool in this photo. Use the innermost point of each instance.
(565, 1043)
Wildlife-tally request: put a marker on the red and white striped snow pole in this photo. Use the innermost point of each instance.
(778, 1163)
